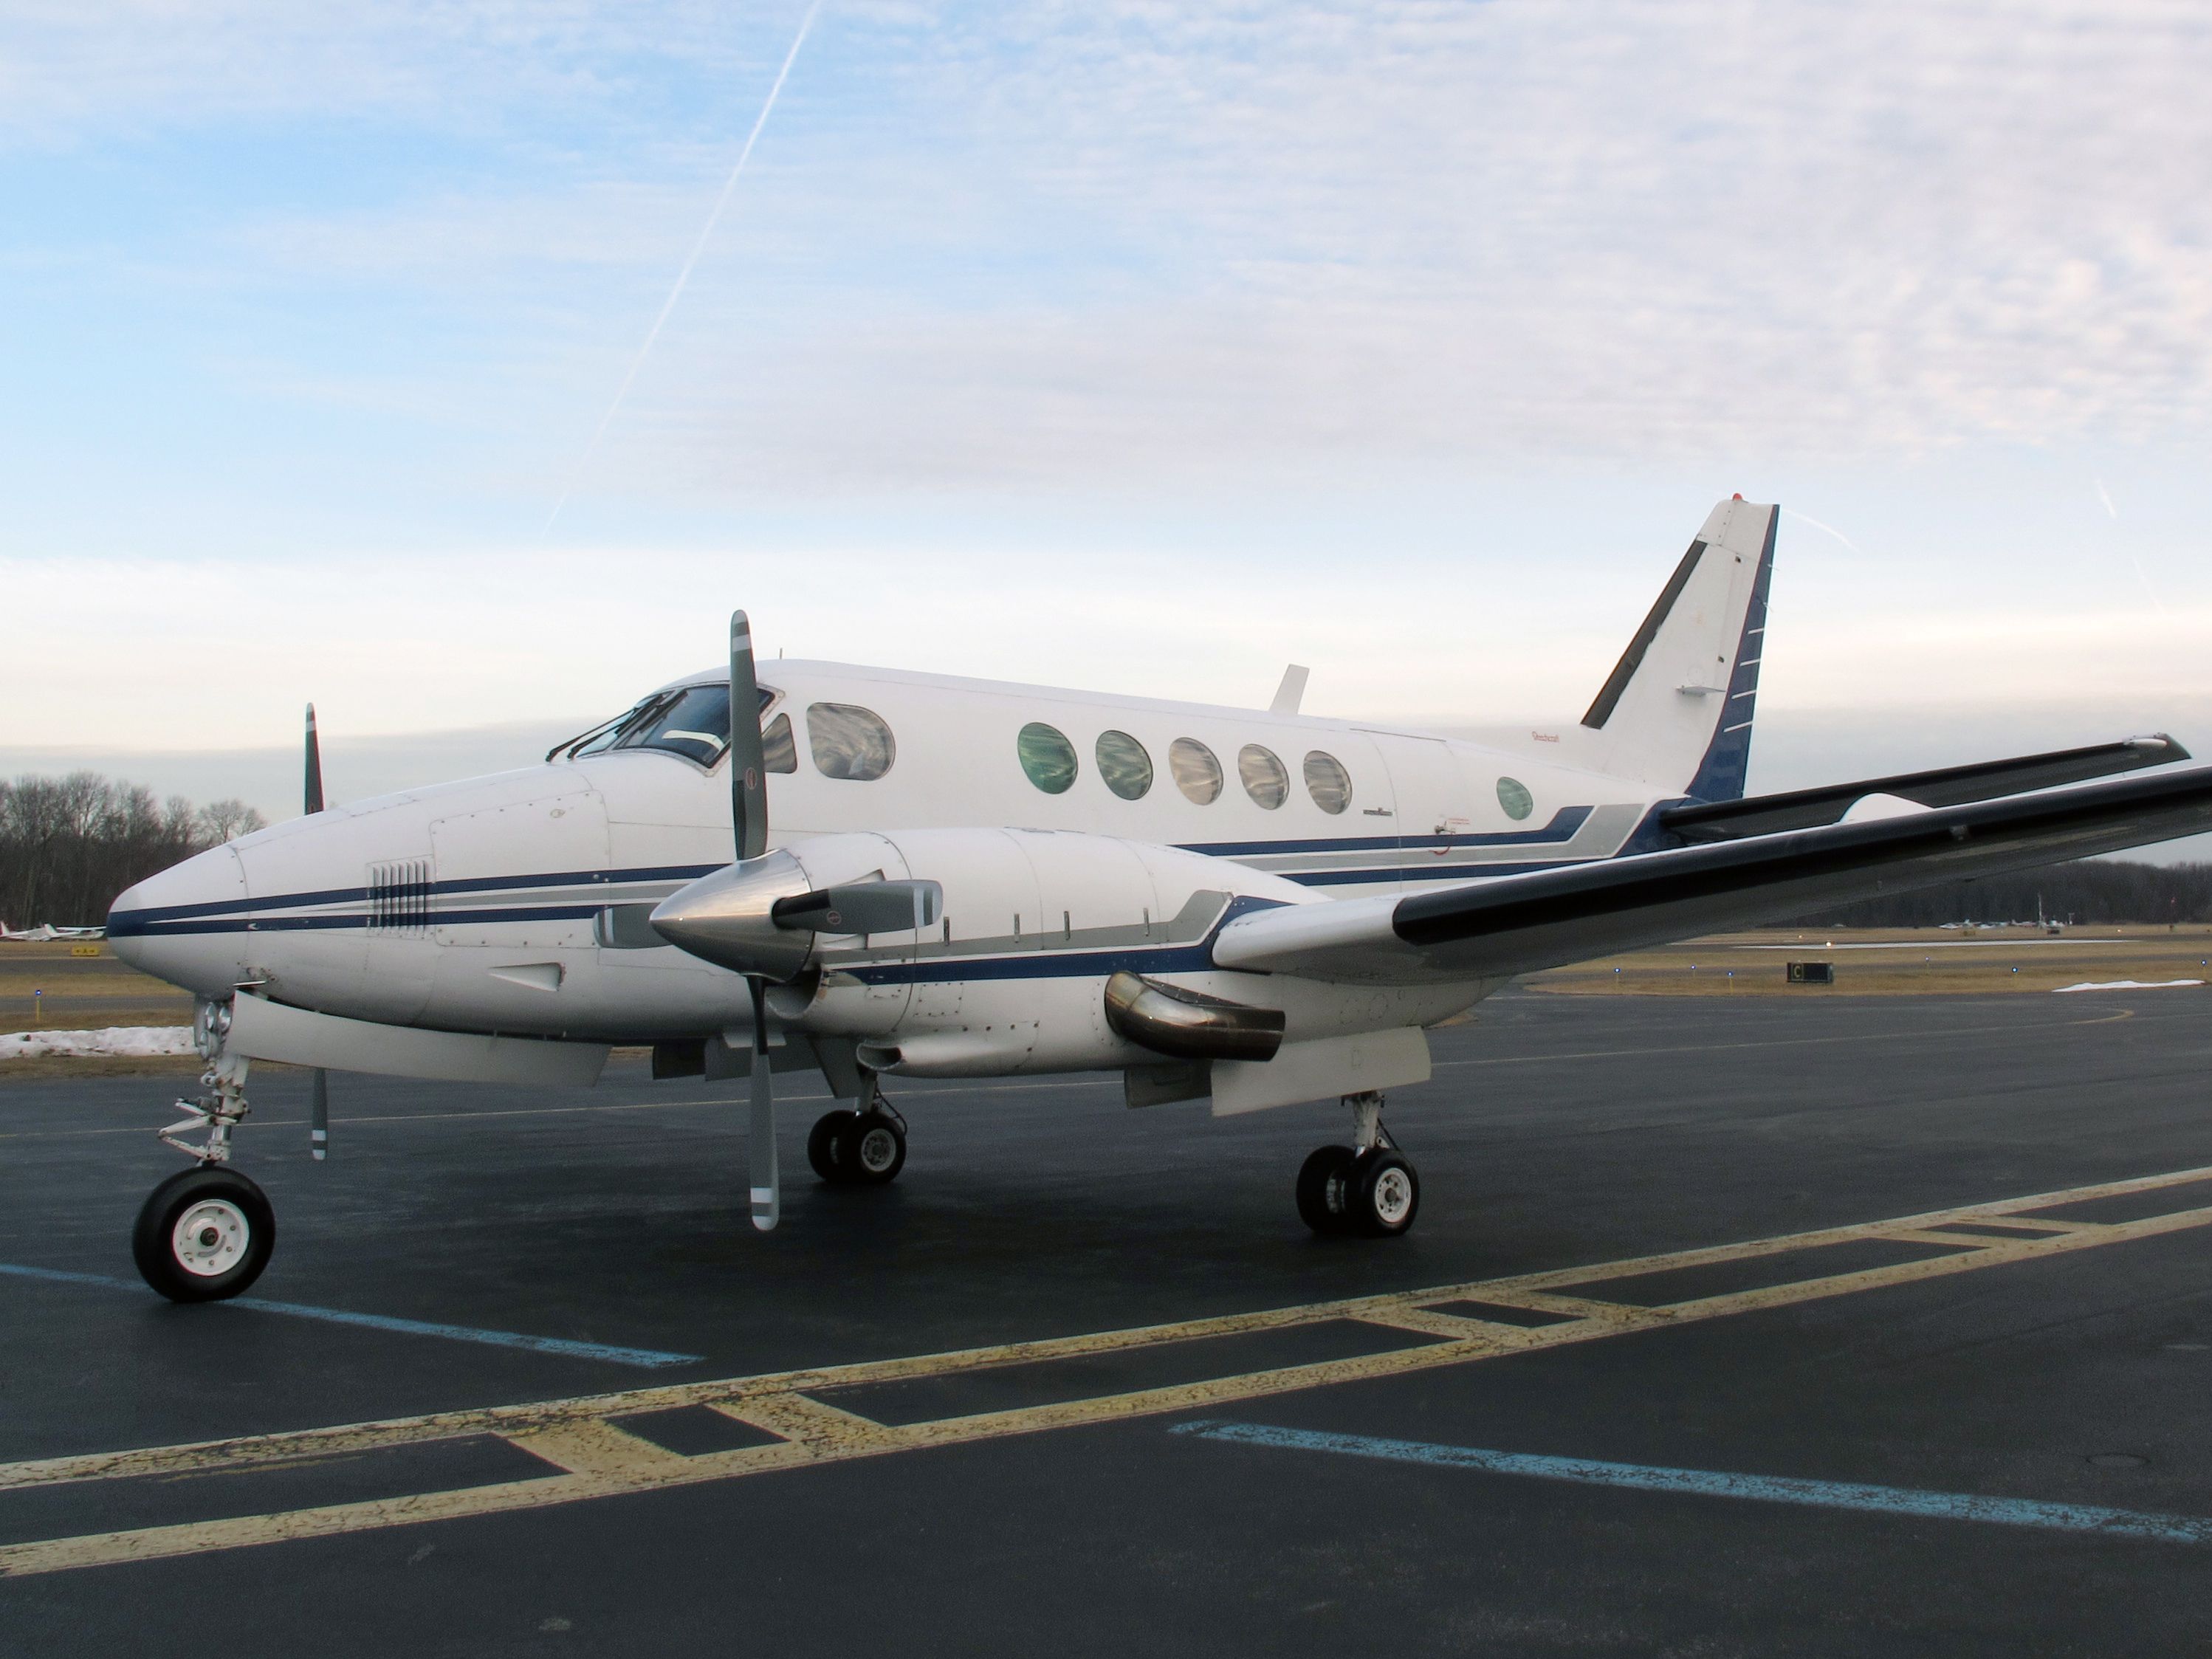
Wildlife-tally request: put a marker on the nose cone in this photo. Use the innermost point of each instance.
(187, 925)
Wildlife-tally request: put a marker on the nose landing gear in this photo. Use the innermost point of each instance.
(1370, 1189)
(205, 1234)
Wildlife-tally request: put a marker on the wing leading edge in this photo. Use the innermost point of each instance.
(1518, 924)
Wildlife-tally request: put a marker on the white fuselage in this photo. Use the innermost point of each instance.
(486, 905)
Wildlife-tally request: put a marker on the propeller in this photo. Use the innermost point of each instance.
(749, 830)
(319, 1096)
(759, 917)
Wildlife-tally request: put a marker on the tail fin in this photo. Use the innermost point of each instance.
(1676, 710)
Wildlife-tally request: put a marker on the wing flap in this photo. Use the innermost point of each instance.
(1544, 918)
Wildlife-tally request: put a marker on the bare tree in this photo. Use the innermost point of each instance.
(227, 820)
(69, 845)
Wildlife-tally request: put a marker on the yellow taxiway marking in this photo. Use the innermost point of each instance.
(591, 1454)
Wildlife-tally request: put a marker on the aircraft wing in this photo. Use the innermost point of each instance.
(1546, 918)
(1953, 786)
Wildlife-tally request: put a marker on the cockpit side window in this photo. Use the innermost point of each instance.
(778, 752)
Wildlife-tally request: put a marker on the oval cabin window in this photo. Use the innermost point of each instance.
(1047, 757)
(1197, 774)
(849, 742)
(1328, 782)
(1124, 764)
(1513, 795)
(1265, 780)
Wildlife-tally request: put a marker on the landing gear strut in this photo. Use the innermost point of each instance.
(206, 1233)
(1369, 1189)
(864, 1148)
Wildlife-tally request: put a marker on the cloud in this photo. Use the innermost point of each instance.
(1248, 241)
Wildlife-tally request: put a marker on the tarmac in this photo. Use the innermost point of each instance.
(1830, 1326)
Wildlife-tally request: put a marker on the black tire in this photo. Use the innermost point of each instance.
(203, 1235)
(821, 1145)
(872, 1150)
(1386, 1195)
(1325, 1190)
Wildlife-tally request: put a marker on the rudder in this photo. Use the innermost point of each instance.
(1676, 711)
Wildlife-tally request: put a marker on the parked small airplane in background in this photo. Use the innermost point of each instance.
(971, 879)
(46, 931)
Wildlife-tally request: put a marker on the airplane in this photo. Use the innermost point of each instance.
(45, 932)
(883, 874)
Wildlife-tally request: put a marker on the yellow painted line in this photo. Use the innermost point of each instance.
(601, 1459)
(801, 1417)
(593, 1447)
(1431, 1322)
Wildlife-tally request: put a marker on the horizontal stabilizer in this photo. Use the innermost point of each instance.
(1518, 924)
(1951, 786)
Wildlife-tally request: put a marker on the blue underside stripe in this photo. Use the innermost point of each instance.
(1705, 1483)
(1562, 827)
(125, 924)
(253, 915)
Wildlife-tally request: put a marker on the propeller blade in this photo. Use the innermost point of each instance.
(318, 1101)
(862, 907)
(760, 1142)
(748, 765)
(314, 765)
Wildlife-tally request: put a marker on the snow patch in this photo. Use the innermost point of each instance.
(133, 1039)
(2126, 985)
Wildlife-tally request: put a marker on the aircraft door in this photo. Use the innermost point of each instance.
(1432, 799)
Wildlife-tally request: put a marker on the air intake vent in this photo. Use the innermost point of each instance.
(399, 896)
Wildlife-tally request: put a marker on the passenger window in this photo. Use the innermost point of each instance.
(1328, 782)
(849, 742)
(778, 752)
(1513, 795)
(1124, 764)
(1197, 774)
(1047, 757)
(1265, 781)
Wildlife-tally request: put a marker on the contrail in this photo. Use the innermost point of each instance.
(1830, 529)
(2113, 513)
(684, 276)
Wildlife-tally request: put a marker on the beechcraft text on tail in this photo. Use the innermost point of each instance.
(892, 874)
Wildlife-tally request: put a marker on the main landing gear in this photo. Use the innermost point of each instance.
(864, 1148)
(1369, 1189)
(205, 1233)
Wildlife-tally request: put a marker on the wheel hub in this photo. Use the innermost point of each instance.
(209, 1237)
(879, 1150)
(1394, 1196)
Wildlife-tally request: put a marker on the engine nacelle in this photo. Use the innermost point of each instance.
(1013, 977)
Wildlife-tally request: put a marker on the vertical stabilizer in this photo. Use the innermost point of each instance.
(1676, 710)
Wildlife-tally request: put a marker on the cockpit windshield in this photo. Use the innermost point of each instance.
(690, 720)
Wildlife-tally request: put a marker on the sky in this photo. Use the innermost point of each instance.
(1140, 346)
